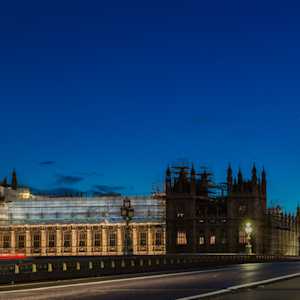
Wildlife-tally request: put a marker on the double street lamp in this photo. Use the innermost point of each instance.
(248, 230)
(127, 212)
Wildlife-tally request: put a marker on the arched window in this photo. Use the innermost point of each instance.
(201, 239)
(242, 237)
(51, 239)
(212, 239)
(181, 237)
(158, 238)
(96, 238)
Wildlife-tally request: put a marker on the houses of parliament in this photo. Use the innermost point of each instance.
(203, 217)
(192, 215)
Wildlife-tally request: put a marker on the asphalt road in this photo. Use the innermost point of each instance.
(286, 289)
(165, 286)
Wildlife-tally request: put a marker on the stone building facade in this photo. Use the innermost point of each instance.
(37, 225)
(192, 215)
(203, 217)
(79, 239)
(282, 232)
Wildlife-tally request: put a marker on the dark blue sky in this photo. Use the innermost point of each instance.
(110, 92)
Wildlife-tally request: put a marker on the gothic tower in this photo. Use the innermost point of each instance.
(229, 179)
(264, 189)
(14, 181)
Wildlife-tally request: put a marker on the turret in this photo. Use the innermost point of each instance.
(4, 182)
(193, 180)
(229, 179)
(168, 180)
(289, 218)
(240, 181)
(254, 176)
(298, 211)
(14, 181)
(264, 182)
(182, 181)
(204, 183)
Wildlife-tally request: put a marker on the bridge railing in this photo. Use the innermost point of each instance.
(54, 268)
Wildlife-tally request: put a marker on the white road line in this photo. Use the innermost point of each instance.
(116, 280)
(238, 287)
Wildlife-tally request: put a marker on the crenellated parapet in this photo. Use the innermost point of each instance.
(281, 219)
(253, 185)
(185, 180)
(14, 181)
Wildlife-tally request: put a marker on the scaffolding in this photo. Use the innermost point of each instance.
(83, 210)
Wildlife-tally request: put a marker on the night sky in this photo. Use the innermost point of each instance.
(105, 94)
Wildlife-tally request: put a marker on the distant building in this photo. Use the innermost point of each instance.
(192, 215)
(203, 217)
(42, 225)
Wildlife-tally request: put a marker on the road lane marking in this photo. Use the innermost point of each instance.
(241, 286)
(116, 280)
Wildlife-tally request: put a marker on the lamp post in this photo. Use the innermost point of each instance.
(127, 212)
(248, 230)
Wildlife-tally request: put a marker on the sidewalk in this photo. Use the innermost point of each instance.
(286, 289)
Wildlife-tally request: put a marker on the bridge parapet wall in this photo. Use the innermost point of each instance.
(58, 268)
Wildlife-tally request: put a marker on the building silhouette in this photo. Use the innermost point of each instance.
(204, 217)
(192, 215)
(65, 225)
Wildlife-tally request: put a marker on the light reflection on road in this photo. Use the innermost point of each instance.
(163, 287)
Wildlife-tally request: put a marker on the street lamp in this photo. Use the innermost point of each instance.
(248, 230)
(127, 212)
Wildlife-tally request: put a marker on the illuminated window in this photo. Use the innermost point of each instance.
(242, 237)
(143, 238)
(212, 240)
(201, 239)
(112, 239)
(82, 239)
(21, 241)
(97, 239)
(51, 240)
(181, 238)
(158, 238)
(67, 239)
(36, 240)
(6, 241)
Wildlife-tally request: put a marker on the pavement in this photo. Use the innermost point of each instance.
(191, 284)
(286, 289)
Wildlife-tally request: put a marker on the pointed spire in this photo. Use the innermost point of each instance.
(4, 182)
(240, 181)
(193, 172)
(168, 171)
(263, 173)
(193, 180)
(240, 177)
(229, 171)
(14, 181)
(298, 210)
(168, 180)
(264, 182)
(254, 174)
(229, 178)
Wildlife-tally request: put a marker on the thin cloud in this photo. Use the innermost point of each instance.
(47, 162)
(68, 179)
(59, 191)
(107, 190)
(90, 174)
